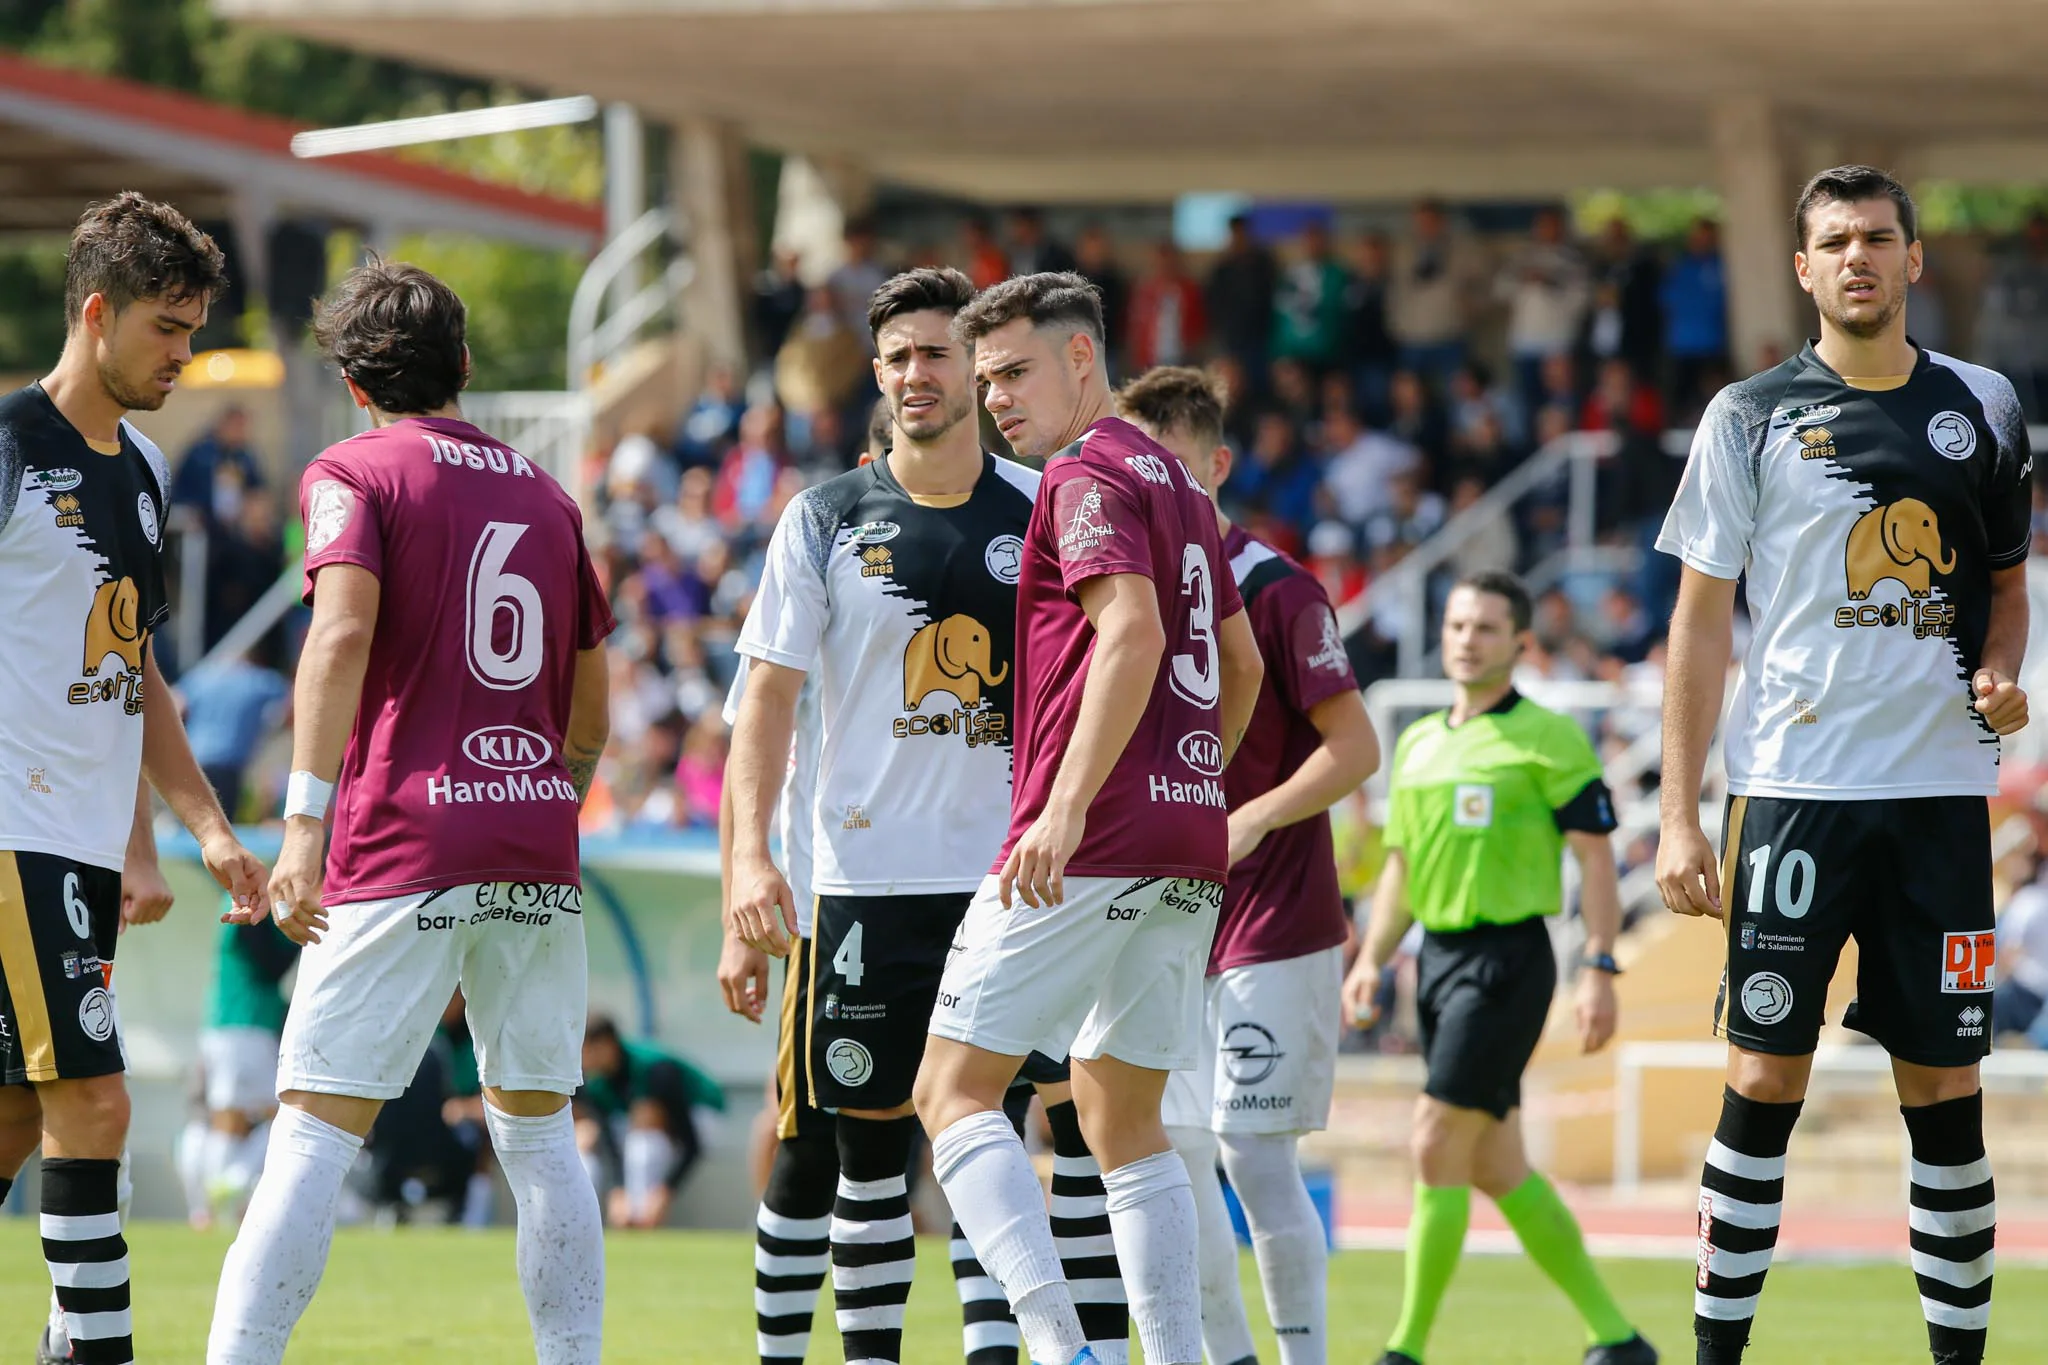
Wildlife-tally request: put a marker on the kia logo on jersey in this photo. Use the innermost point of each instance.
(507, 748)
(1203, 752)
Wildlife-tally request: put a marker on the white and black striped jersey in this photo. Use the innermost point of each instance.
(906, 611)
(1867, 522)
(81, 577)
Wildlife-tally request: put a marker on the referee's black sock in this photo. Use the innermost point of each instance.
(88, 1257)
(1742, 1192)
(1954, 1223)
(1080, 1229)
(873, 1251)
(790, 1245)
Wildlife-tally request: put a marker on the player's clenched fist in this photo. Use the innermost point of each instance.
(763, 908)
(1688, 878)
(2000, 700)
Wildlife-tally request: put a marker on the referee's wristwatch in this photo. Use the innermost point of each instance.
(1602, 962)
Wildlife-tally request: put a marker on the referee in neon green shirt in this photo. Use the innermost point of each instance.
(1484, 799)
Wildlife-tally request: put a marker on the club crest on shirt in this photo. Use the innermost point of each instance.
(1953, 436)
(329, 506)
(1084, 524)
(145, 512)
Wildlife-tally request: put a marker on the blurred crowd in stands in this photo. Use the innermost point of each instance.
(1379, 384)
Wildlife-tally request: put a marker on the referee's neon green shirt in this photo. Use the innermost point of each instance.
(1479, 811)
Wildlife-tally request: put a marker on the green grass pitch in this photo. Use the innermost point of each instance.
(432, 1294)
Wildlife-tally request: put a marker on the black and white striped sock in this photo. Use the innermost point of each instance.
(791, 1247)
(1742, 1192)
(1080, 1230)
(988, 1329)
(873, 1252)
(1954, 1224)
(88, 1257)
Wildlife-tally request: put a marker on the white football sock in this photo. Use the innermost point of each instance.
(1152, 1216)
(190, 1157)
(645, 1155)
(278, 1256)
(1287, 1240)
(981, 1164)
(245, 1166)
(479, 1200)
(1226, 1331)
(561, 1235)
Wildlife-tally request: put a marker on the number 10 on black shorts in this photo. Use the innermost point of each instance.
(1909, 879)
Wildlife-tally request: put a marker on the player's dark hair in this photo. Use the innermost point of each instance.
(1504, 585)
(929, 288)
(1049, 298)
(398, 332)
(600, 1028)
(128, 248)
(1175, 398)
(1852, 184)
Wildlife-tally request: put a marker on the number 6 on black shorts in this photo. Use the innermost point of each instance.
(1909, 879)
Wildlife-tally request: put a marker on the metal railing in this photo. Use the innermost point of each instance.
(550, 427)
(650, 248)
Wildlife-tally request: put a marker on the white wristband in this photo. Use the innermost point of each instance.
(305, 794)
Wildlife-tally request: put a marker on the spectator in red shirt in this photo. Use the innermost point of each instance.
(1168, 320)
(986, 263)
(748, 473)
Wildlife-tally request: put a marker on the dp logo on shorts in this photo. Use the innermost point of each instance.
(849, 1062)
(1969, 962)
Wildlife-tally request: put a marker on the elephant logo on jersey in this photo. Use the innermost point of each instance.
(950, 656)
(1901, 541)
(114, 627)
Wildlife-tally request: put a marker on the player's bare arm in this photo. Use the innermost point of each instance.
(1695, 673)
(1999, 698)
(168, 764)
(590, 720)
(145, 894)
(1129, 645)
(1349, 754)
(1244, 669)
(1390, 920)
(1600, 906)
(742, 970)
(763, 907)
(325, 697)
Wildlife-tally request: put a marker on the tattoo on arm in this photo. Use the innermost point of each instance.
(582, 765)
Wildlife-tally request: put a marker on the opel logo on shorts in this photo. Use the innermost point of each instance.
(849, 1062)
(96, 1014)
(1249, 1053)
(1767, 997)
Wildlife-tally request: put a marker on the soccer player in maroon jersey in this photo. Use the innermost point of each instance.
(1277, 965)
(455, 720)
(1137, 673)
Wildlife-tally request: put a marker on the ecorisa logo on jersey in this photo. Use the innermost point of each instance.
(1900, 542)
(507, 748)
(1203, 752)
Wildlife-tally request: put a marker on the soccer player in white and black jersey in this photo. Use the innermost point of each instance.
(84, 714)
(893, 590)
(1874, 495)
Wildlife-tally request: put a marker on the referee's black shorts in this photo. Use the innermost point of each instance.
(1483, 995)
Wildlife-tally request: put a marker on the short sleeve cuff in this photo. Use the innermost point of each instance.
(1693, 557)
(1590, 812)
(329, 557)
(755, 649)
(1104, 568)
(2011, 558)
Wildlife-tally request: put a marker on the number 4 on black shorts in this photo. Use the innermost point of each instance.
(59, 921)
(1909, 879)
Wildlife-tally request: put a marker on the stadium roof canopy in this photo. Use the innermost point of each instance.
(67, 137)
(1007, 100)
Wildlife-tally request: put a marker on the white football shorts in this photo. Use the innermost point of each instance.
(1115, 970)
(371, 993)
(241, 1069)
(1270, 1033)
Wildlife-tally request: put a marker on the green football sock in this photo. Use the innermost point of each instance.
(1436, 1238)
(1550, 1235)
